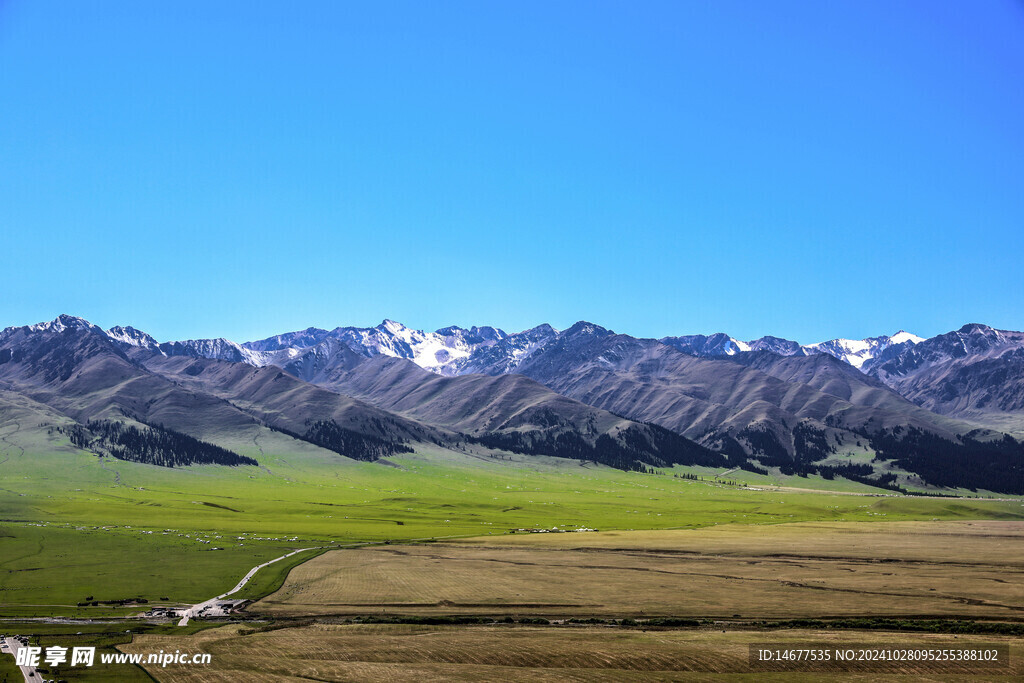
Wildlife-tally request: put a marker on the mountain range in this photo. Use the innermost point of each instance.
(855, 352)
(894, 411)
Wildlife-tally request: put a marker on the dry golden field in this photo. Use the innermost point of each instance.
(526, 653)
(918, 569)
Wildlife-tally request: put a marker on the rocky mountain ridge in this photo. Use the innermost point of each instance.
(911, 404)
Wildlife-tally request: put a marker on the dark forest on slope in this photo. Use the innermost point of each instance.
(151, 444)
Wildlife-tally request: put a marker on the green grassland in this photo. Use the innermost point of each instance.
(9, 672)
(73, 526)
(815, 482)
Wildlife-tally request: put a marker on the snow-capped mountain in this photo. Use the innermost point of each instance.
(719, 344)
(215, 349)
(132, 337)
(319, 362)
(773, 401)
(857, 352)
(59, 324)
(454, 350)
(777, 345)
(970, 340)
(509, 353)
(441, 352)
(975, 372)
(291, 340)
(314, 351)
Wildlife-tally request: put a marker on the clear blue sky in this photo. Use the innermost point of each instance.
(805, 169)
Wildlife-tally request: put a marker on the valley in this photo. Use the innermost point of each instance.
(114, 530)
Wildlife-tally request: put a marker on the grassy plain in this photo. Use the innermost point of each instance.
(9, 672)
(831, 569)
(73, 526)
(735, 579)
(525, 653)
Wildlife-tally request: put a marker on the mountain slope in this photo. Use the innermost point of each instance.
(585, 393)
(515, 412)
(77, 370)
(743, 410)
(837, 378)
(975, 373)
(509, 412)
(285, 402)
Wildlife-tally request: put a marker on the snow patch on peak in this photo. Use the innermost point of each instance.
(718, 344)
(857, 352)
(584, 327)
(902, 337)
(217, 349)
(64, 322)
(131, 337)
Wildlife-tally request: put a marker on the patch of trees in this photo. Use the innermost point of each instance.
(78, 435)
(885, 624)
(863, 474)
(849, 470)
(633, 449)
(560, 445)
(733, 450)
(810, 443)
(330, 435)
(973, 464)
(153, 445)
(751, 467)
(119, 603)
(670, 447)
(766, 446)
(542, 417)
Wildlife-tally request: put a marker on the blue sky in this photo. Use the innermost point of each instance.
(803, 169)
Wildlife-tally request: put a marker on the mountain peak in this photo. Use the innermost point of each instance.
(584, 327)
(903, 337)
(717, 344)
(392, 326)
(778, 345)
(131, 336)
(543, 328)
(974, 328)
(474, 334)
(64, 322)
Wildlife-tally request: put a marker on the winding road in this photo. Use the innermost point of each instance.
(197, 608)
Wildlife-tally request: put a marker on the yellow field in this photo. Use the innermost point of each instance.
(521, 653)
(969, 569)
